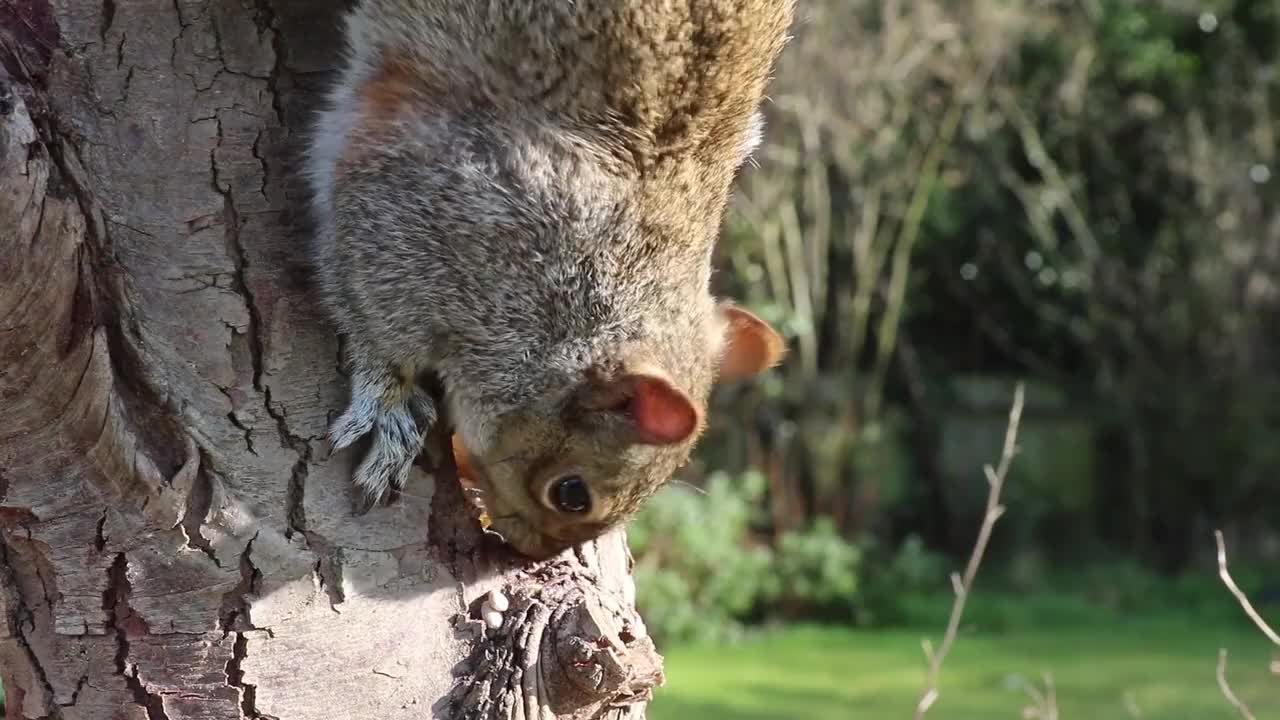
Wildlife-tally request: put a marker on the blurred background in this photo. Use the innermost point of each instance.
(957, 195)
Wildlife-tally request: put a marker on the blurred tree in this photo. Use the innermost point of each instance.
(1077, 192)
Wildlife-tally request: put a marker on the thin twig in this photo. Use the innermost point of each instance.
(995, 478)
(1253, 615)
(1131, 705)
(1044, 704)
(1051, 697)
(1236, 702)
(1240, 596)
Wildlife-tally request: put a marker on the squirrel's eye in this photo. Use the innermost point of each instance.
(570, 494)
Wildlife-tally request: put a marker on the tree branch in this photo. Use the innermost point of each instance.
(1245, 605)
(1131, 707)
(995, 478)
(1044, 704)
(1236, 702)
(1225, 574)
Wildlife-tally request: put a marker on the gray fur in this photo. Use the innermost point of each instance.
(530, 206)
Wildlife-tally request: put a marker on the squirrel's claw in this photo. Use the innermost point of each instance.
(362, 502)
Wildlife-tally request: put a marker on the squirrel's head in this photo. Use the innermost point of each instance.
(550, 479)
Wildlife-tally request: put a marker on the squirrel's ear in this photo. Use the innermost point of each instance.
(659, 412)
(748, 345)
(663, 415)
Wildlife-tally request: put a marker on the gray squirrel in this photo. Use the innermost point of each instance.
(520, 200)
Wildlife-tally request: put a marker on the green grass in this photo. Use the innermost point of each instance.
(814, 673)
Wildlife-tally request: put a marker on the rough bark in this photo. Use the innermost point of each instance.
(175, 540)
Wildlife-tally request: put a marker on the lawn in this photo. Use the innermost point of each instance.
(816, 673)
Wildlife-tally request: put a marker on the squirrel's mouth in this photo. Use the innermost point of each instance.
(512, 528)
(474, 483)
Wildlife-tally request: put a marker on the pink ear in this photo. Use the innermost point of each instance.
(750, 345)
(662, 414)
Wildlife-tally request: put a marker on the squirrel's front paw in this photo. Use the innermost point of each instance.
(398, 428)
(397, 440)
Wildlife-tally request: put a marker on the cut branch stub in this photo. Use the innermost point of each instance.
(601, 651)
(566, 649)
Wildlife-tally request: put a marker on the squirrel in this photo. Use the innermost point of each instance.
(519, 200)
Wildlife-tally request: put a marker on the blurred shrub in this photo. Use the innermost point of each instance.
(705, 571)
(702, 571)
(698, 575)
(816, 572)
(1125, 587)
(897, 578)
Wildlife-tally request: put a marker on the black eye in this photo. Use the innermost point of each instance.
(570, 494)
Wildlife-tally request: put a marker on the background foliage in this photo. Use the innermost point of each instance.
(956, 194)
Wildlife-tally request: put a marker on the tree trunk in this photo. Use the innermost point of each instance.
(175, 540)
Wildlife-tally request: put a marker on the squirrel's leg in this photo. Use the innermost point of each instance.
(388, 403)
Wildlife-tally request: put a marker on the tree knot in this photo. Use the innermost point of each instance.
(565, 649)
